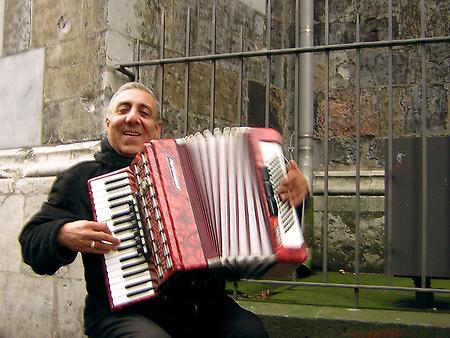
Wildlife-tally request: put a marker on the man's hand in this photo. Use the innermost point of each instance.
(294, 187)
(88, 236)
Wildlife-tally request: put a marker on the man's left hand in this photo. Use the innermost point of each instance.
(294, 187)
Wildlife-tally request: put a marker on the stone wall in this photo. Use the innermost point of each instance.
(33, 305)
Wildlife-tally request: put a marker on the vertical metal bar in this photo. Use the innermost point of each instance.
(325, 147)
(389, 152)
(137, 57)
(423, 150)
(186, 72)
(306, 91)
(358, 158)
(161, 66)
(240, 79)
(213, 70)
(297, 80)
(268, 63)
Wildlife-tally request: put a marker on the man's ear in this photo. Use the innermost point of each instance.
(106, 125)
(160, 125)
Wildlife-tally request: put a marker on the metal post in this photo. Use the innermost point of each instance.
(306, 101)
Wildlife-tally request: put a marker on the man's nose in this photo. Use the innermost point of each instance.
(133, 116)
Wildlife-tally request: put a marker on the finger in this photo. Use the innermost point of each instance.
(97, 247)
(100, 236)
(98, 226)
(292, 165)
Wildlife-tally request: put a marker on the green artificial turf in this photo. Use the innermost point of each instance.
(345, 297)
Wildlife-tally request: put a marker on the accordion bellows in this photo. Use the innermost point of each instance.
(206, 201)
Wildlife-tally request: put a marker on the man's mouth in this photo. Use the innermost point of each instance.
(131, 133)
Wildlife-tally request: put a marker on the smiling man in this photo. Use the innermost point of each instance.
(64, 226)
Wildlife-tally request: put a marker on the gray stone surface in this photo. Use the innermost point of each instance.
(21, 86)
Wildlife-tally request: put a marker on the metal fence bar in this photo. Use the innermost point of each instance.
(138, 58)
(213, 70)
(296, 79)
(284, 51)
(186, 72)
(349, 286)
(358, 159)
(268, 63)
(240, 78)
(424, 164)
(161, 66)
(325, 146)
(388, 235)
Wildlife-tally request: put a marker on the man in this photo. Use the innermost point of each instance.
(63, 227)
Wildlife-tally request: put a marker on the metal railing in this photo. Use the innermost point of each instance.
(132, 70)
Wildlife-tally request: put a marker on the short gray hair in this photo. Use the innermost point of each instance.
(132, 85)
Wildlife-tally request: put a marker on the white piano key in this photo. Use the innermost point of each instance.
(121, 300)
(119, 283)
(117, 271)
(114, 266)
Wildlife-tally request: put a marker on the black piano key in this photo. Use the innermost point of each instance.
(124, 194)
(115, 179)
(118, 186)
(131, 285)
(125, 228)
(124, 259)
(289, 224)
(126, 246)
(118, 204)
(123, 220)
(134, 272)
(136, 292)
(132, 264)
(120, 214)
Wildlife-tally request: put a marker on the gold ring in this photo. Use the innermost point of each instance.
(93, 245)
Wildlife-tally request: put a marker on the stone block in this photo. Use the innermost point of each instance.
(55, 21)
(33, 185)
(341, 234)
(119, 48)
(11, 210)
(16, 30)
(32, 205)
(6, 186)
(135, 18)
(27, 306)
(73, 120)
(69, 304)
(23, 100)
(69, 74)
(72, 271)
(82, 50)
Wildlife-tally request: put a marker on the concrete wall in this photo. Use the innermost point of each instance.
(21, 86)
(33, 305)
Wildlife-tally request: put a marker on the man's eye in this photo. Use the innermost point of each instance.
(145, 114)
(122, 109)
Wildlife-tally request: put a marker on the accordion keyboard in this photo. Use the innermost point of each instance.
(129, 275)
(288, 231)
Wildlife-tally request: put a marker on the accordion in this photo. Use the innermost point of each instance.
(206, 201)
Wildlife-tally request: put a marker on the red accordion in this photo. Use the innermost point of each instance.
(204, 201)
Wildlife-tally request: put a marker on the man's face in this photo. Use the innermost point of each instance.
(133, 122)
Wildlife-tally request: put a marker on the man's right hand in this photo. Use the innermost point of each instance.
(88, 237)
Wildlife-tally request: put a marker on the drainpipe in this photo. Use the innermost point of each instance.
(306, 88)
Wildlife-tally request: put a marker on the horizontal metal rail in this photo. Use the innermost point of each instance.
(349, 286)
(283, 51)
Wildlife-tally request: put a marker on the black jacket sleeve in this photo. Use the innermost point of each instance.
(39, 237)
